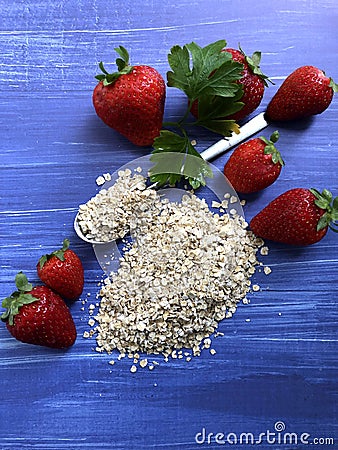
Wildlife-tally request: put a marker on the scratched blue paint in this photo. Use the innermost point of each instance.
(277, 360)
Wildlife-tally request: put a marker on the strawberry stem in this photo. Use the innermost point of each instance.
(270, 148)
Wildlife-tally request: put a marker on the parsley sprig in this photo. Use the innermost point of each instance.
(209, 75)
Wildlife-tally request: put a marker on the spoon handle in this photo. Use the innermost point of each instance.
(248, 129)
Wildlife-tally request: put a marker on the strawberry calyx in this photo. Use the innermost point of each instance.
(60, 254)
(333, 85)
(122, 64)
(330, 216)
(270, 148)
(254, 64)
(17, 299)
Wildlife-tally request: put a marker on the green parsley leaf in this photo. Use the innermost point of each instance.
(175, 158)
(213, 72)
(211, 76)
(212, 110)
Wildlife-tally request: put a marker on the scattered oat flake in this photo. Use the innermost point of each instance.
(255, 287)
(215, 204)
(143, 362)
(133, 368)
(100, 180)
(267, 270)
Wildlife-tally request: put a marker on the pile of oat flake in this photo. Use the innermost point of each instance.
(186, 269)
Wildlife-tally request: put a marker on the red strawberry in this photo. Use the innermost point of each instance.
(63, 272)
(131, 100)
(254, 165)
(297, 217)
(305, 92)
(253, 82)
(38, 316)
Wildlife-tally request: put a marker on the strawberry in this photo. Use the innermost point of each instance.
(298, 217)
(305, 92)
(131, 100)
(253, 82)
(63, 272)
(38, 316)
(254, 165)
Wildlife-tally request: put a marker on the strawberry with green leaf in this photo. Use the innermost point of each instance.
(307, 91)
(299, 216)
(254, 165)
(37, 315)
(62, 271)
(131, 100)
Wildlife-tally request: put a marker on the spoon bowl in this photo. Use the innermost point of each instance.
(107, 253)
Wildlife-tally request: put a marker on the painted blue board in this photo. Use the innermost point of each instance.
(276, 365)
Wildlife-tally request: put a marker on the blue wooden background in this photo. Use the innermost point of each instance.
(277, 360)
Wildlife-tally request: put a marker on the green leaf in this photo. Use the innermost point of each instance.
(122, 65)
(323, 221)
(327, 195)
(254, 64)
(335, 204)
(179, 61)
(13, 305)
(270, 148)
(223, 81)
(22, 283)
(215, 107)
(175, 158)
(60, 253)
(169, 141)
(213, 72)
(124, 60)
(103, 69)
(321, 199)
(330, 216)
(17, 299)
(225, 127)
(333, 85)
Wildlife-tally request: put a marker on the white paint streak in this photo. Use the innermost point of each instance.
(34, 211)
(119, 31)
